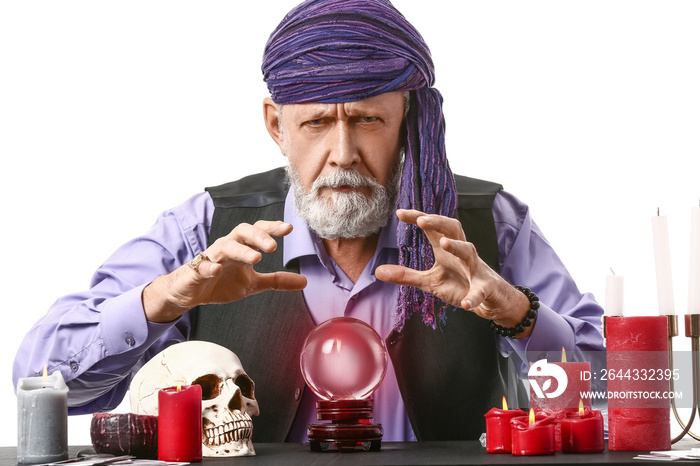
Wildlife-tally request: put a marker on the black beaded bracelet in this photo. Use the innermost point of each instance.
(526, 322)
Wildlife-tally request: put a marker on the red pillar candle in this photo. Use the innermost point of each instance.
(498, 437)
(577, 379)
(637, 372)
(180, 423)
(533, 436)
(576, 375)
(582, 432)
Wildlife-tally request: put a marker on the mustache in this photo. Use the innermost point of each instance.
(351, 214)
(350, 178)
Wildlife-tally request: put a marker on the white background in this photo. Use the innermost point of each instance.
(111, 112)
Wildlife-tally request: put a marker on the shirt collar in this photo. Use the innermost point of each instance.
(300, 242)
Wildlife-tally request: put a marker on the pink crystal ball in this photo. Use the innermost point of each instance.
(343, 359)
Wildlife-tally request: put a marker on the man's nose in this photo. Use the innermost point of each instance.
(344, 151)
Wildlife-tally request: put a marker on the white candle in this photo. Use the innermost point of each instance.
(614, 295)
(694, 272)
(42, 419)
(662, 256)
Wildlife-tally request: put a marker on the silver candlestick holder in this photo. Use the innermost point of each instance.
(692, 331)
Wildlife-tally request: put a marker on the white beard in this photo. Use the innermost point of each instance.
(345, 215)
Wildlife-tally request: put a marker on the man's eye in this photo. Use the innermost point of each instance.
(315, 122)
(368, 119)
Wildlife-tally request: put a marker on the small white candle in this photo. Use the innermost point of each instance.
(42, 419)
(694, 272)
(614, 295)
(662, 256)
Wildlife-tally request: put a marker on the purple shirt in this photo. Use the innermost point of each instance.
(95, 338)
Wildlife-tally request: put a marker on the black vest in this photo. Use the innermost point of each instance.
(448, 377)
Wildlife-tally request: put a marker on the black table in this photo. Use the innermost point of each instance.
(402, 453)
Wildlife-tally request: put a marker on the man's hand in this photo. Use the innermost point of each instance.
(459, 276)
(228, 276)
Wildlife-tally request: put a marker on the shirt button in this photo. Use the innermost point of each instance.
(130, 340)
(297, 393)
(74, 366)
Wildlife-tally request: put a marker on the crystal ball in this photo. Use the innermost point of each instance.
(343, 359)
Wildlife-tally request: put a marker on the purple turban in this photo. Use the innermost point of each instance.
(333, 51)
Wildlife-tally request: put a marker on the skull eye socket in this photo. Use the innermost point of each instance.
(246, 385)
(211, 386)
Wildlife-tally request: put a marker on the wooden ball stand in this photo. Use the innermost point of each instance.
(350, 428)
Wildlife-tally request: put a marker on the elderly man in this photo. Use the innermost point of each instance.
(353, 110)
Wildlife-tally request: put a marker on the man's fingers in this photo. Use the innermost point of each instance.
(441, 226)
(409, 215)
(473, 299)
(467, 253)
(281, 281)
(274, 227)
(225, 251)
(245, 242)
(434, 226)
(400, 275)
(209, 269)
(261, 235)
(464, 250)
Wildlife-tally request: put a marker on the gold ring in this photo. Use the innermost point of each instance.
(194, 263)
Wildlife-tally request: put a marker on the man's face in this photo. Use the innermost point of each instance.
(344, 163)
(364, 136)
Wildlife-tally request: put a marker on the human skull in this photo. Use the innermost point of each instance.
(228, 393)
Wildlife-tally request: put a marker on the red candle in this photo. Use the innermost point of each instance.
(576, 375)
(498, 437)
(637, 372)
(533, 436)
(180, 423)
(582, 432)
(577, 379)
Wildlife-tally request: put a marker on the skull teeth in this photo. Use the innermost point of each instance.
(241, 427)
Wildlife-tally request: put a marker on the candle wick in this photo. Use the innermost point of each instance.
(613, 272)
(658, 211)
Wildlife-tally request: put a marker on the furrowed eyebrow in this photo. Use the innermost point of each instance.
(315, 112)
(364, 111)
